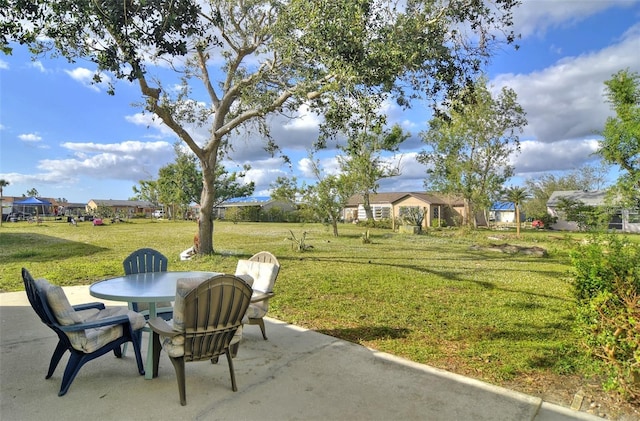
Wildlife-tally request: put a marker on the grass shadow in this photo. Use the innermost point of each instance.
(17, 247)
(366, 333)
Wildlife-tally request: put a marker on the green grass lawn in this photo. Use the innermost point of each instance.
(430, 298)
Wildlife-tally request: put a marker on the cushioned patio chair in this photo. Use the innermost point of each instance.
(87, 331)
(261, 272)
(207, 314)
(147, 260)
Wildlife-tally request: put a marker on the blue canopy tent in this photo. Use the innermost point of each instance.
(34, 202)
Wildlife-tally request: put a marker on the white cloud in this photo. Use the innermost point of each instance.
(536, 157)
(534, 17)
(38, 65)
(566, 100)
(30, 137)
(4, 65)
(151, 121)
(304, 119)
(130, 160)
(85, 77)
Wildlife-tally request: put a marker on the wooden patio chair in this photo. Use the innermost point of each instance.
(262, 277)
(207, 314)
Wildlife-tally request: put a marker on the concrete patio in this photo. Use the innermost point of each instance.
(296, 375)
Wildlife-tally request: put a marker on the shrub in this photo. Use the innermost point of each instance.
(370, 223)
(607, 291)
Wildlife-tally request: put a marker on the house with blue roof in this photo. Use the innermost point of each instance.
(253, 208)
(504, 212)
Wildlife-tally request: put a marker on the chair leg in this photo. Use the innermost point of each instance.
(178, 364)
(231, 372)
(156, 353)
(136, 350)
(76, 360)
(55, 358)
(234, 349)
(260, 323)
(125, 346)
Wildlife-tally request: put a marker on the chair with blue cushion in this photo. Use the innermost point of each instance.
(87, 331)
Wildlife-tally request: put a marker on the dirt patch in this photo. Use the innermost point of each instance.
(511, 249)
(578, 393)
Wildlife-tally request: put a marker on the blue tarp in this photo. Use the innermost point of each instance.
(503, 206)
(39, 204)
(32, 201)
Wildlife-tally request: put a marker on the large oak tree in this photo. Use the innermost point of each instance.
(468, 150)
(254, 58)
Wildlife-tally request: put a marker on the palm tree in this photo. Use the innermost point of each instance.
(3, 184)
(517, 195)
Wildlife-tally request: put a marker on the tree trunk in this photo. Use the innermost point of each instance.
(207, 199)
(334, 223)
(517, 221)
(469, 217)
(366, 204)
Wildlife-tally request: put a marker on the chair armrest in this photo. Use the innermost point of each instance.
(261, 296)
(86, 306)
(161, 327)
(107, 321)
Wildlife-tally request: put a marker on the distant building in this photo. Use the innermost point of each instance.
(253, 208)
(437, 209)
(504, 212)
(626, 220)
(71, 209)
(124, 208)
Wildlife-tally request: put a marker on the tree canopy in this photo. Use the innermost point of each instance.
(254, 58)
(468, 152)
(362, 163)
(621, 135)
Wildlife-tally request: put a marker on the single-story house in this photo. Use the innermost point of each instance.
(437, 209)
(504, 212)
(124, 208)
(626, 220)
(71, 209)
(256, 206)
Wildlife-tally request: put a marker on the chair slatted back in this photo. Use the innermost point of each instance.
(266, 257)
(145, 260)
(213, 313)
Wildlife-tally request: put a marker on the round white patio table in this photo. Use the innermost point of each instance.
(151, 287)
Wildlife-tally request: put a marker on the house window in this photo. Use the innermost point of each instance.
(634, 216)
(379, 212)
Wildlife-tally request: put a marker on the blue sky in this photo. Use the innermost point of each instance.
(69, 139)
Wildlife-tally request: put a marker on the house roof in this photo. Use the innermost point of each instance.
(123, 203)
(392, 197)
(590, 198)
(248, 200)
(73, 205)
(258, 201)
(503, 206)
